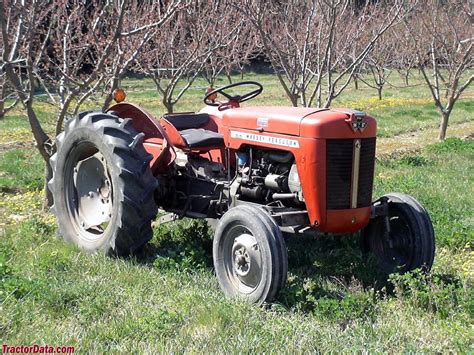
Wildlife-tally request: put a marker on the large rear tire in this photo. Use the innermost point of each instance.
(250, 256)
(410, 244)
(102, 185)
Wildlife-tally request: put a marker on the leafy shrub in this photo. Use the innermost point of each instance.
(321, 297)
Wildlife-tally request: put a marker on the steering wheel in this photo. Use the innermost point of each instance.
(236, 98)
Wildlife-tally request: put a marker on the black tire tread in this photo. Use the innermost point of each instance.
(136, 183)
(424, 236)
(278, 262)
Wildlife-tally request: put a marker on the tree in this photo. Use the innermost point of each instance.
(441, 34)
(6, 93)
(404, 54)
(241, 50)
(239, 45)
(142, 23)
(179, 52)
(24, 40)
(307, 43)
(67, 48)
(379, 62)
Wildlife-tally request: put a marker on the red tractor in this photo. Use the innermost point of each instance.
(255, 171)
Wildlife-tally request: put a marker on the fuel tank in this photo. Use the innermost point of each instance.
(302, 121)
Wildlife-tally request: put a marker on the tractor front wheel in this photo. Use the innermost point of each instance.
(102, 185)
(250, 256)
(403, 240)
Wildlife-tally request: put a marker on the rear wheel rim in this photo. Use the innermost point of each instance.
(242, 259)
(88, 191)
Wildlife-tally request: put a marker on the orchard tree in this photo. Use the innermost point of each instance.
(404, 54)
(307, 43)
(442, 37)
(8, 99)
(180, 51)
(67, 48)
(94, 46)
(241, 50)
(141, 25)
(240, 46)
(380, 62)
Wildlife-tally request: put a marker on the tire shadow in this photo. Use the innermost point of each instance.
(321, 267)
(328, 267)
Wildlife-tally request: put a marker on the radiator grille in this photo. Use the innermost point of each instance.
(339, 156)
(338, 173)
(366, 172)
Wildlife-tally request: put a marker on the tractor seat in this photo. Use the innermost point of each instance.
(187, 120)
(200, 138)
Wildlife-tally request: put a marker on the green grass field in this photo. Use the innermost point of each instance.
(167, 299)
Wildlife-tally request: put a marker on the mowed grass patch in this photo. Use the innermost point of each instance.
(21, 170)
(397, 120)
(166, 298)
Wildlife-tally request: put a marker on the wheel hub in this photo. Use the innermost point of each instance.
(93, 188)
(246, 260)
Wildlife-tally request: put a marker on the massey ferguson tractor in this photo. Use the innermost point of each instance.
(255, 172)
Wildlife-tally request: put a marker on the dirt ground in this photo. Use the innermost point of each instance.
(414, 141)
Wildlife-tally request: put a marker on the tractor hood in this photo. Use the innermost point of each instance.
(301, 121)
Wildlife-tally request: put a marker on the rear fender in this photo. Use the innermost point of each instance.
(156, 141)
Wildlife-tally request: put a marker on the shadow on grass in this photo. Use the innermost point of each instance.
(184, 245)
(329, 274)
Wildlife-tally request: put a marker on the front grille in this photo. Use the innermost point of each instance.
(366, 172)
(339, 159)
(338, 173)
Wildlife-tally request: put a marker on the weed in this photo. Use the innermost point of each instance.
(10, 283)
(414, 160)
(443, 294)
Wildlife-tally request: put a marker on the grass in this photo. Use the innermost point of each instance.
(167, 299)
(21, 169)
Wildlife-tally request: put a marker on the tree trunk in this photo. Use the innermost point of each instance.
(48, 196)
(229, 78)
(2, 103)
(107, 102)
(379, 91)
(356, 83)
(168, 105)
(444, 125)
(110, 95)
